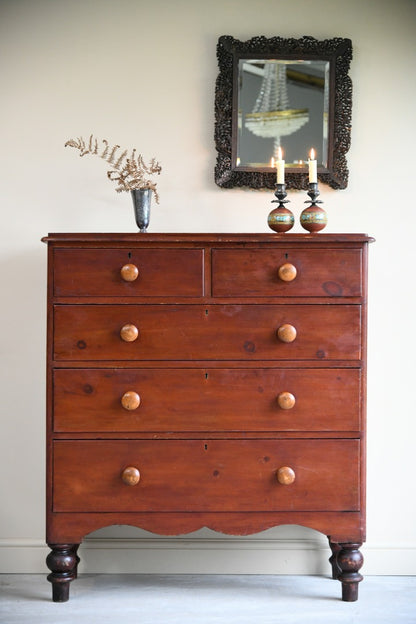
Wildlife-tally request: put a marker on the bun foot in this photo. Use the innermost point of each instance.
(62, 562)
(350, 561)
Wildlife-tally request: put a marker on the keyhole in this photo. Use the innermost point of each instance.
(129, 254)
(206, 447)
(286, 256)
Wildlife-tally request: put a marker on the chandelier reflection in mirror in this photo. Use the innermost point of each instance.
(271, 112)
(316, 80)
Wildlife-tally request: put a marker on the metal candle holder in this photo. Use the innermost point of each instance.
(313, 218)
(313, 193)
(280, 219)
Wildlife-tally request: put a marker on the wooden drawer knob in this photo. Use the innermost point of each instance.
(130, 400)
(129, 333)
(129, 272)
(286, 333)
(285, 475)
(130, 475)
(286, 400)
(287, 272)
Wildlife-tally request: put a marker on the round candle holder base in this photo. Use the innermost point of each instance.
(280, 219)
(313, 218)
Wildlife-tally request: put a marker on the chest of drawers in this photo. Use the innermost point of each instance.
(206, 380)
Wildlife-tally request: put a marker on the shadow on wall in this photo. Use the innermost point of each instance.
(286, 549)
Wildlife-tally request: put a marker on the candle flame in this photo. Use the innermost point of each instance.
(279, 153)
(312, 154)
(272, 164)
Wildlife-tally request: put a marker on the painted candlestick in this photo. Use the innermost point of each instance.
(280, 219)
(314, 217)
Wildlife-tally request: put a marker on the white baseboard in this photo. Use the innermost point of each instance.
(204, 556)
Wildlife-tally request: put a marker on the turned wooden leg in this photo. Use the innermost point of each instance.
(62, 562)
(350, 561)
(335, 549)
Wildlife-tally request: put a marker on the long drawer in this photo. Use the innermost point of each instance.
(97, 272)
(212, 332)
(206, 399)
(213, 475)
(255, 272)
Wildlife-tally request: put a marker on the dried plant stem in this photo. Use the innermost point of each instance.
(129, 173)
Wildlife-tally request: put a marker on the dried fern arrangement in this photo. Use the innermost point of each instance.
(130, 173)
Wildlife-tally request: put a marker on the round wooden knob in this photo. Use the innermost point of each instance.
(130, 475)
(286, 400)
(286, 333)
(130, 400)
(287, 272)
(129, 272)
(285, 475)
(129, 333)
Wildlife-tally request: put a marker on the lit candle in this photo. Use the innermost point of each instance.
(313, 168)
(280, 165)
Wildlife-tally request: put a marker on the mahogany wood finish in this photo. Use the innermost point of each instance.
(96, 272)
(206, 475)
(320, 272)
(326, 399)
(174, 403)
(191, 332)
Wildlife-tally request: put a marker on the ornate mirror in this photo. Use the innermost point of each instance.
(289, 93)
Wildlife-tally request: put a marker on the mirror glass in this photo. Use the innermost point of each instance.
(295, 93)
(282, 103)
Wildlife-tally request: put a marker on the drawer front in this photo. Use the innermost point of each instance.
(212, 332)
(209, 399)
(255, 273)
(96, 272)
(212, 475)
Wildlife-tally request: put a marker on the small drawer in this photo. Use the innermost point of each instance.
(290, 273)
(122, 273)
(210, 475)
(212, 332)
(206, 399)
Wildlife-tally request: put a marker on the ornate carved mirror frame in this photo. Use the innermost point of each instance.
(230, 51)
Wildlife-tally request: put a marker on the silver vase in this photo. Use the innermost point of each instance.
(141, 202)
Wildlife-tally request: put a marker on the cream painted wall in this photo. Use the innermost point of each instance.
(142, 74)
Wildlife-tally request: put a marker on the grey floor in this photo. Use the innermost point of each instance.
(206, 599)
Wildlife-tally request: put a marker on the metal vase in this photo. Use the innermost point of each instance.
(141, 202)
